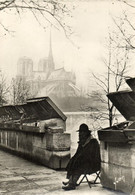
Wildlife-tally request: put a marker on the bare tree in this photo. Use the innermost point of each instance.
(20, 90)
(52, 11)
(121, 44)
(4, 89)
(116, 65)
(126, 25)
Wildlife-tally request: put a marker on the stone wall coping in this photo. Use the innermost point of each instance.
(33, 132)
(21, 130)
(112, 136)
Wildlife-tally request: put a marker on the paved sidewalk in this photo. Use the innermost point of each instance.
(21, 177)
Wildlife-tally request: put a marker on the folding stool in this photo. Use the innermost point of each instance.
(87, 180)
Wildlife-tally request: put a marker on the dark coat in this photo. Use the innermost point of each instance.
(86, 159)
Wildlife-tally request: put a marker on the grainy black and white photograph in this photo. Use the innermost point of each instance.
(67, 97)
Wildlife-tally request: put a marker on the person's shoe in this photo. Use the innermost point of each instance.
(69, 187)
(65, 183)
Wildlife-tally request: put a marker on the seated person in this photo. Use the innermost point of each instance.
(86, 159)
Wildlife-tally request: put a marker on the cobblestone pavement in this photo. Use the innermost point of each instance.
(21, 177)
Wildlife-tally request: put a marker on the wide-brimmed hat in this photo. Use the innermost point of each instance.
(83, 127)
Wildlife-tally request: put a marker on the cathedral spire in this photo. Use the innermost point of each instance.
(51, 65)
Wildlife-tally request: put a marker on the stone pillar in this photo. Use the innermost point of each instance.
(53, 149)
(118, 160)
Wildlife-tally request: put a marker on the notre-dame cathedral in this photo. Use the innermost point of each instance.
(48, 81)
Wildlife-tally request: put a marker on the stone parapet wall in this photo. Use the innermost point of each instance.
(51, 149)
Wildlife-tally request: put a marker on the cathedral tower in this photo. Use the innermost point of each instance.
(51, 65)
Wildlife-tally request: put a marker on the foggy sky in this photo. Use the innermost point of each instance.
(89, 23)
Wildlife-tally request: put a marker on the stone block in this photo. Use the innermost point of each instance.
(11, 139)
(54, 160)
(41, 155)
(58, 141)
(25, 142)
(104, 151)
(117, 177)
(3, 137)
(39, 141)
(133, 156)
(119, 154)
(30, 128)
(59, 160)
(52, 123)
(55, 130)
(110, 135)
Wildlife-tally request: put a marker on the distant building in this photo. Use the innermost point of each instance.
(48, 81)
(60, 83)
